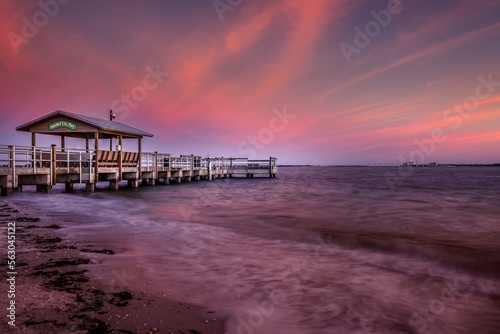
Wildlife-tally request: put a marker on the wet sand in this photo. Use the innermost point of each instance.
(54, 293)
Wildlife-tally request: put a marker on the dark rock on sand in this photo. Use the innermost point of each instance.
(53, 247)
(62, 263)
(31, 226)
(54, 226)
(27, 219)
(100, 251)
(43, 240)
(124, 295)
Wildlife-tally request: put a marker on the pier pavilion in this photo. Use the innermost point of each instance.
(45, 167)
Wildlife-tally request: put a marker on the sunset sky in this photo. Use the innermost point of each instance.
(310, 82)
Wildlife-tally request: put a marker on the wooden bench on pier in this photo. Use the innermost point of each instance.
(111, 159)
(130, 159)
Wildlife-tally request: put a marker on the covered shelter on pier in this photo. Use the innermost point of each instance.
(65, 124)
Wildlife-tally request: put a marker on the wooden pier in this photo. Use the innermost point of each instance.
(45, 167)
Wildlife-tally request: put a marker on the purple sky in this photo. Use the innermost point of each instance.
(315, 82)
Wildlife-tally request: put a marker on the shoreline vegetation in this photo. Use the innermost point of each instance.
(54, 293)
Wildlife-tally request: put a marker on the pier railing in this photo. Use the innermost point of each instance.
(30, 160)
(44, 157)
(166, 162)
(24, 156)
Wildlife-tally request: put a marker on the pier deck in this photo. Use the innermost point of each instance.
(48, 166)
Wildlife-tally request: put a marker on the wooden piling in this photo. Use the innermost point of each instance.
(113, 185)
(68, 187)
(133, 183)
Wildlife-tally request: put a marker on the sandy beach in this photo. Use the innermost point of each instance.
(52, 292)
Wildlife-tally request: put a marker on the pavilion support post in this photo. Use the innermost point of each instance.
(120, 162)
(86, 144)
(96, 148)
(63, 144)
(140, 156)
(53, 165)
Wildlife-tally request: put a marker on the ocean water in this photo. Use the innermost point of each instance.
(316, 250)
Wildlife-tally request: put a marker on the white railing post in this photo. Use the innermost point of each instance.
(155, 176)
(67, 161)
(34, 159)
(80, 166)
(91, 160)
(209, 166)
